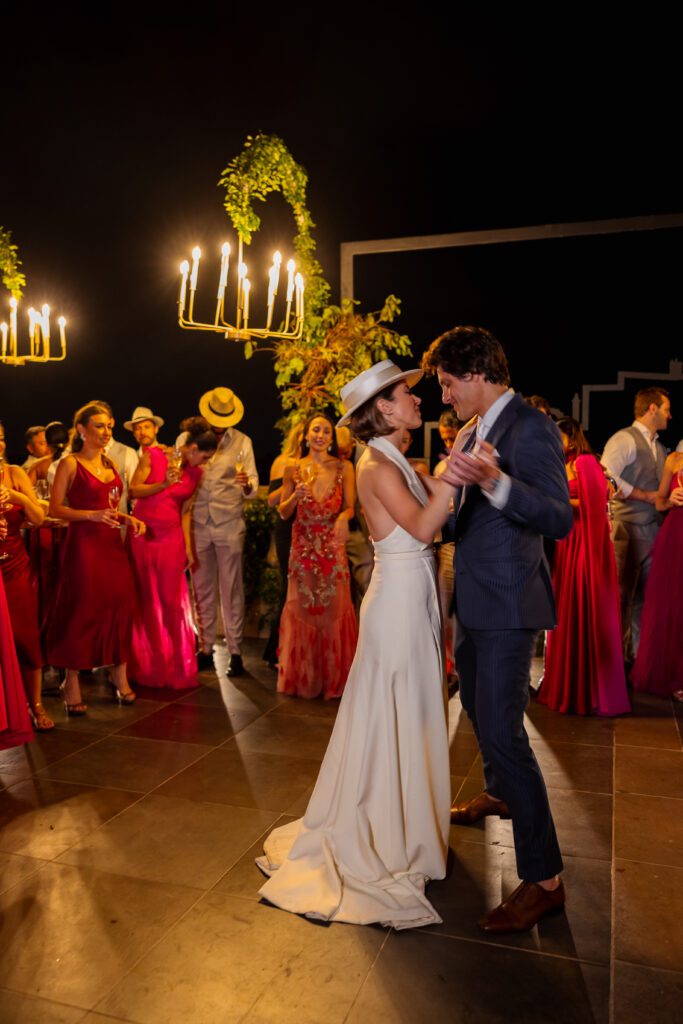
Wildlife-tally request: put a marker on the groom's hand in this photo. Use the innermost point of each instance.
(466, 468)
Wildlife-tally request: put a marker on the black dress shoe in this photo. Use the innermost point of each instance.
(204, 661)
(235, 668)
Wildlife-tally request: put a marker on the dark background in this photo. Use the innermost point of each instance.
(116, 130)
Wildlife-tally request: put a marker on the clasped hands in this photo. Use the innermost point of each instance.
(462, 469)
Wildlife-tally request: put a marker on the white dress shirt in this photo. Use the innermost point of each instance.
(501, 492)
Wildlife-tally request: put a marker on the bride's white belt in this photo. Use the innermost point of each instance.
(391, 556)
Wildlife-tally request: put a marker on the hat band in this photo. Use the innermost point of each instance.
(217, 412)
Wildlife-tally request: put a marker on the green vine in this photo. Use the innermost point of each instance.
(12, 277)
(337, 342)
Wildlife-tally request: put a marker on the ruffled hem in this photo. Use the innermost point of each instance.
(314, 661)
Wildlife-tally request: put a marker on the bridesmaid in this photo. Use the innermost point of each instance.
(584, 670)
(164, 642)
(15, 725)
(92, 618)
(19, 507)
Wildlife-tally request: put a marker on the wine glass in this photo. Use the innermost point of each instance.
(308, 473)
(114, 496)
(239, 461)
(175, 462)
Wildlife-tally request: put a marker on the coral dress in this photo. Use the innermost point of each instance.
(318, 628)
(376, 827)
(20, 591)
(92, 618)
(164, 640)
(658, 667)
(15, 725)
(584, 670)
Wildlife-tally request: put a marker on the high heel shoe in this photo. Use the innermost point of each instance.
(41, 720)
(124, 698)
(72, 710)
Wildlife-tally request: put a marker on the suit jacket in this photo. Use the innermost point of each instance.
(502, 579)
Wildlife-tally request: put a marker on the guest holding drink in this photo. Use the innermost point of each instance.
(584, 668)
(658, 667)
(164, 483)
(91, 621)
(18, 506)
(318, 630)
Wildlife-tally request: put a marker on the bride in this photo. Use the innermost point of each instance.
(376, 828)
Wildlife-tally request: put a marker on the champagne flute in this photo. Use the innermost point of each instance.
(175, 462)
(114, 496)
(309, 472)
(239, 461)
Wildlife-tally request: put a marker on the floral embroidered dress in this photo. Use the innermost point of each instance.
(318, 629)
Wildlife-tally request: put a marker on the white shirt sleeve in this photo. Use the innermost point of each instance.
(500, 493)
(620, 452)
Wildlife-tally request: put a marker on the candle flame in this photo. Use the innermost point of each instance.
(184, 268)
(225, 248)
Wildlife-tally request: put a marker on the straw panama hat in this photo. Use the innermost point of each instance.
(141, 412)
(369, 382)
(221, 407)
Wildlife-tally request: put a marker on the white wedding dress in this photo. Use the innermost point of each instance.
(376, 827)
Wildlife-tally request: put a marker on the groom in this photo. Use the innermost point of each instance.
(509, 466)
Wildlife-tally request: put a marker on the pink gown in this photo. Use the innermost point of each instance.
(658, 667)
(318, 629)
(164, 640)
(584, 669)
(15, 725)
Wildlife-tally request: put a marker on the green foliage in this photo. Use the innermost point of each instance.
(12, 277)
(337, 342)
(260, 579)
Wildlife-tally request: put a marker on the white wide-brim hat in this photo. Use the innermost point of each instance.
(221, 407)
(369, 382)
(140, 413)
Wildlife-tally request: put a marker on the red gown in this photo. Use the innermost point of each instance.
(20, 591)
(658, 667)
(15, 725)
(584, 669)
(318, 628)
(91, 621)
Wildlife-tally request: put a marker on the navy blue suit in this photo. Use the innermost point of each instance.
(503, 596)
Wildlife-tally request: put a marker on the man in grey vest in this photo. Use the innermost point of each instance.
(634, 459)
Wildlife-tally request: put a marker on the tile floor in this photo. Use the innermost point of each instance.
(128, 890)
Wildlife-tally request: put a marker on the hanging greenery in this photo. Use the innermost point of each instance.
(338, 342)
(12, 277)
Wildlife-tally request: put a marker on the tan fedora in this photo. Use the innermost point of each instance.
(140, 413)
(221, 407)
(369, 382)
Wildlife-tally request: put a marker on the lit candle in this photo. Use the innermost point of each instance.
(241, 275)
(3, 330)
(225, 262)
(13, 322)
(62, 333)
(246, 288)
(196, 254)
(46, 324)
(184, 270)
(290, 279)
(299, 282)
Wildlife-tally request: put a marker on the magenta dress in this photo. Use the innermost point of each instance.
(90, 622)
(163, 633)
(658, 667)
(584, 668)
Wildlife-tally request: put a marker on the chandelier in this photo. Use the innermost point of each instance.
(241, 330)
(38, 337)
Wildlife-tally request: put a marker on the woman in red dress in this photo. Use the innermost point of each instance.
(584, 668)
(658, 667)
(92, 618)
(318, 629)
(19, 506)
(164, 641)
(15, 725)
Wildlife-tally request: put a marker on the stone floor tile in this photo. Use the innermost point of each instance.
(245, 778)
(247, 961)
(640, 770)
(104, 715)
(422, 978)
(295, 735)
(297, 808)
(648, 731)
(648, 828)
(126, 762)
(14, 868)
(318, 708)
(480, 876)
(42, 818)
(244, 878)
(575, 766)
(463, 753)
(189, 723)
(70, 934)
(47, 748)
(18, 1008)
(642, 994)
(165, 839)
(544, 724)
(648, 910)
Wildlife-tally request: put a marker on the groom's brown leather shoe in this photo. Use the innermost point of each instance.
(524, 908)
(477, 808)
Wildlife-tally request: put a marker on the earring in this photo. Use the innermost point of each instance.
(329, 447)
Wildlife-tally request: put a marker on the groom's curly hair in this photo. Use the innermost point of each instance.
(464, 350)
